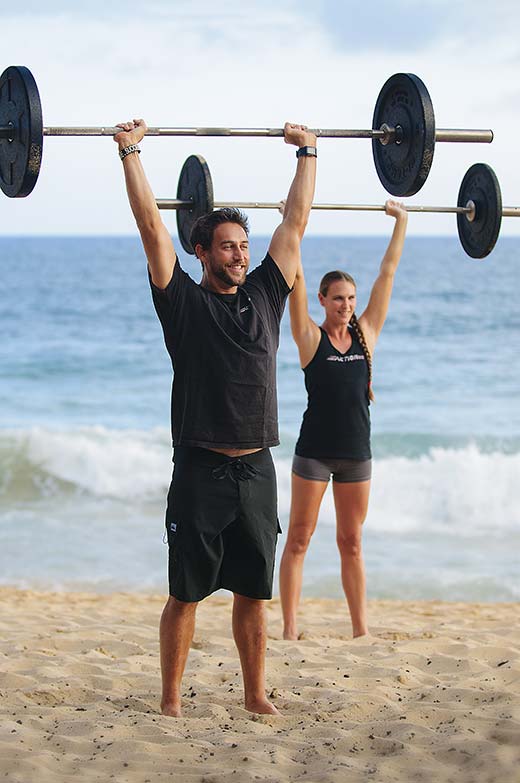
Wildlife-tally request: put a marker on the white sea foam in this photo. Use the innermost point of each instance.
(77, 504)
(120, 464)
(452, 491)
(460, 491)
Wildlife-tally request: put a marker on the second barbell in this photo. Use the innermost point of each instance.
(479, 205)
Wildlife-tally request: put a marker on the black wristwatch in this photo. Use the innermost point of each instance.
(307, 152)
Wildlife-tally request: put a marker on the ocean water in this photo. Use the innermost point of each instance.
(85, 455)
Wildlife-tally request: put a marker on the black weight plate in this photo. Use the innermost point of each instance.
(20, 107)
(480, 185)
(194, 185)
(403, 166)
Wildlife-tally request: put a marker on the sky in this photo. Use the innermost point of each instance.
(259, 63)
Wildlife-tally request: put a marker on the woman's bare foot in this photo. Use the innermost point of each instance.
(360, 632)
(261, 706)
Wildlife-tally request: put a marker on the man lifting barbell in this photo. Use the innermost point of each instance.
(222, 336)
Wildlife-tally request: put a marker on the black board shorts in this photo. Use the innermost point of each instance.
(221, 523)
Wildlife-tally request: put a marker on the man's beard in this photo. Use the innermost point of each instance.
(225, 277)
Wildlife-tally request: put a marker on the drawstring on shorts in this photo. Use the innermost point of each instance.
(236, 469)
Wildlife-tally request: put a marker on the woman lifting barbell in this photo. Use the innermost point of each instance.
(335, 433)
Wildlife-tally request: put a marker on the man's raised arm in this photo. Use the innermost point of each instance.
(285, 244)
(156, 239)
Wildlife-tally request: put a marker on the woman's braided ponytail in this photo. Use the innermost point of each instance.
(361, 337)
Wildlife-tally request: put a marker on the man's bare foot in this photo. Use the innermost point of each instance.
(261, 706)
(290, 636)
(172, 709)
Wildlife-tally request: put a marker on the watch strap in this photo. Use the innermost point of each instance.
(307, 152)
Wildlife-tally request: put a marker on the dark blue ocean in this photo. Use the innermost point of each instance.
(85, 457)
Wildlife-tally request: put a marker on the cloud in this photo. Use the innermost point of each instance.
(369, 26)
(405, 25)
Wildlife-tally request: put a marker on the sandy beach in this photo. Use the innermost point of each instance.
(431, 695)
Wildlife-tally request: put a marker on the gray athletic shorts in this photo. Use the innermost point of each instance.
(346, 471)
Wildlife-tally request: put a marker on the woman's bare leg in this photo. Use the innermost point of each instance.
(306, 499)
(351, 501)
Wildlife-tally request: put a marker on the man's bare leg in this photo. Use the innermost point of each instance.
(176, 632)
(249, 631)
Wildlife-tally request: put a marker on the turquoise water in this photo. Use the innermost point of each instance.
(84, 419)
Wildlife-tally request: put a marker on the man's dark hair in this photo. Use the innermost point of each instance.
(204, 228)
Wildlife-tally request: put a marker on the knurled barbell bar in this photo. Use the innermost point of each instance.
(479, 205)
(403, 137)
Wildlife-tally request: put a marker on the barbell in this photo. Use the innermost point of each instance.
(403, 135)
(479, 205)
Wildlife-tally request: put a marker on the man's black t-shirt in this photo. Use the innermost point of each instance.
(223, 351)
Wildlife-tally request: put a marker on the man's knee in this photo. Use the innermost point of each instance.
(246, 602)
(180, 608)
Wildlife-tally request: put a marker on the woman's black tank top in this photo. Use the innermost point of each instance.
(336, 423)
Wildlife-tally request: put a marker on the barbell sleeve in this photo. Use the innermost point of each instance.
(466, 136)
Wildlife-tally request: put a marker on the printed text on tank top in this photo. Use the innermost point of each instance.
(346, 356)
